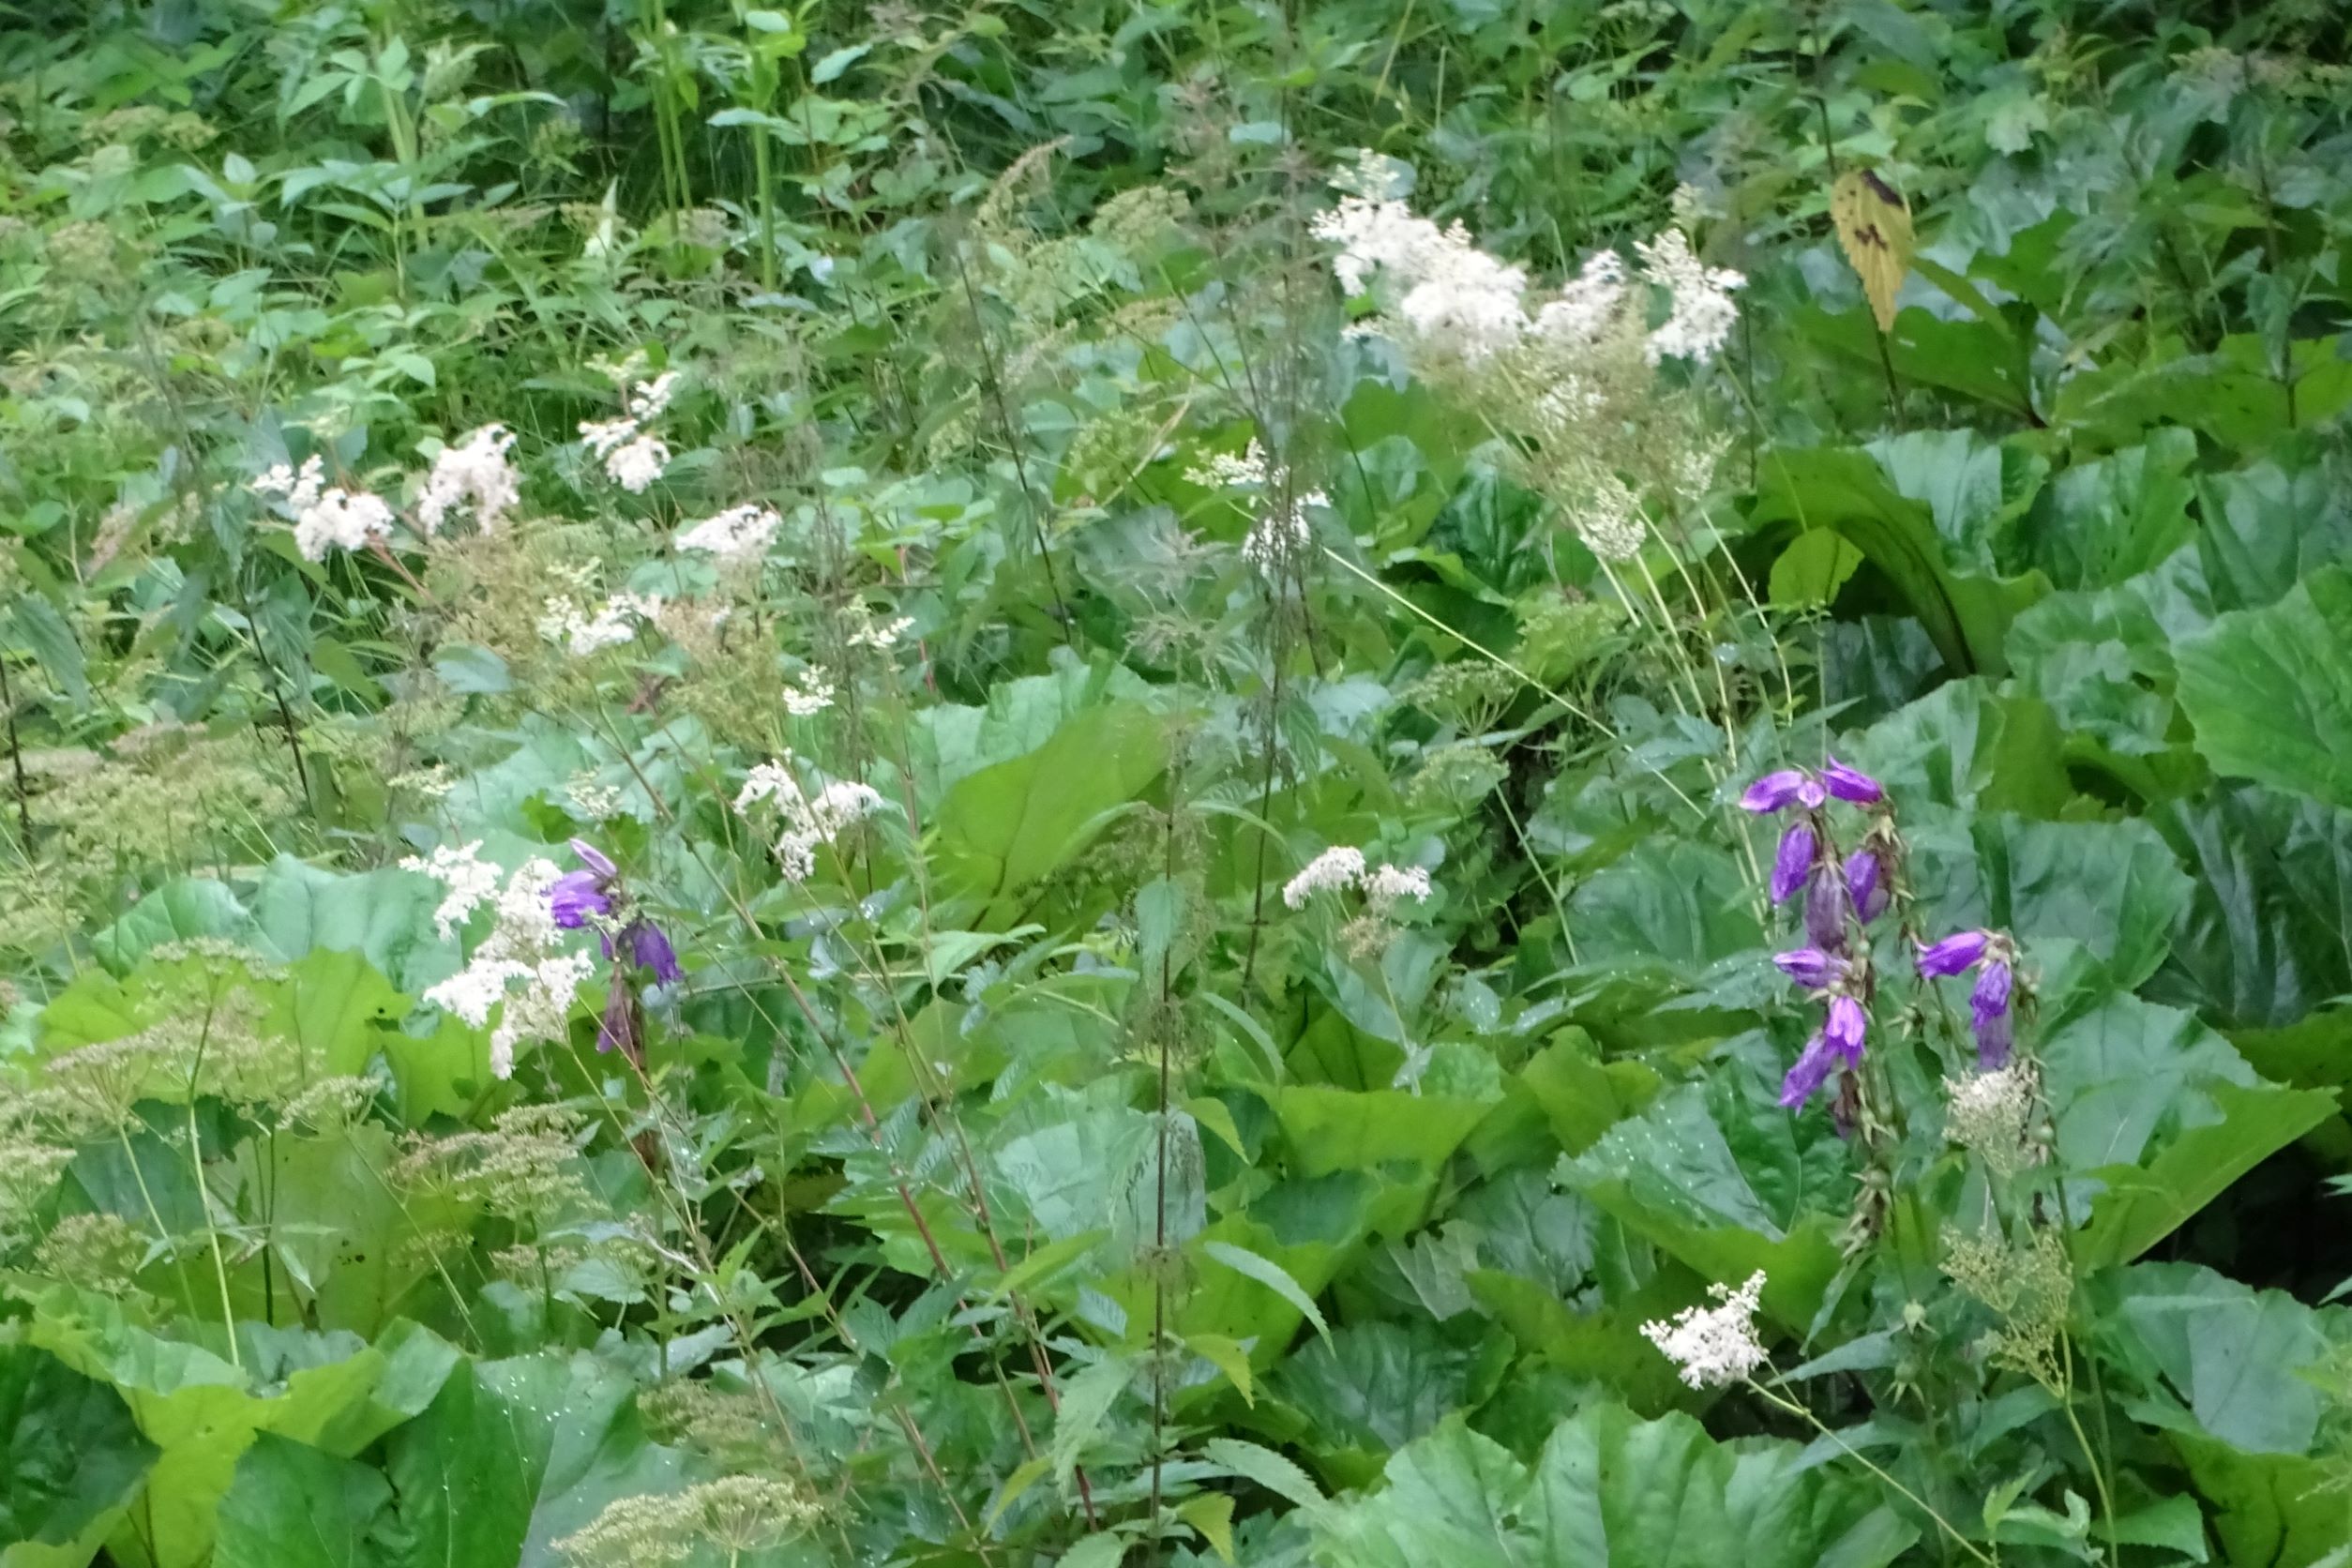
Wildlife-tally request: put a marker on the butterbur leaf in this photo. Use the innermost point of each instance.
(1873, 226)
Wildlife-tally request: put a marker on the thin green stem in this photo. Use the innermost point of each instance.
(1793, 1408)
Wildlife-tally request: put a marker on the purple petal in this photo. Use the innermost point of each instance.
(1810, 794)
(1843, 1029)
(652, 950)
(1825, 909)
(1990, 999)
(575, 896)
(1993, 1037)
(1773, 791)
(1809, 966)
(1852, 784)
(1811, 1071)
(1955, 952)
(1863, 889)
(1792, 861)
(594, 858)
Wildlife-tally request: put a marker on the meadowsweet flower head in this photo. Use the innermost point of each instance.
(738, 533)
(473, 475)
(1339, 866)
(634, 465)
(467, 880)
(1224, 471)
(1282, 534)
(580, 633)
(1385, 887)
(1702, 314)
(1717, 1346)
(650, 398)
(1609, 521)
(808, 700)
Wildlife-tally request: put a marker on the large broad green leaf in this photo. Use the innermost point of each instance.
(2271, 690)
(2115, 517)
(1609, 1491)
(1773, 1199)
(1341, 1130)
(1974, 490)
(1967, 614)
(1672, 902)
(202, 1413)
(1007, 825)
(2269, 526)
(294, 1506)
(178, 911)
(1377, 1386)
(2268, 933)
(1961, 746)
(383, 916)
(951, 742)
(465, 1493)
(2113, 887)
(70, 1459)
(2164, 1114)
(2282, 1510)
(2213, 1357)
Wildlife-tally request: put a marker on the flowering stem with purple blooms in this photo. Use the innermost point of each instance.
(594, 896)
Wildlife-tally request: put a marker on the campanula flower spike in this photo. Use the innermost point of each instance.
(1993, 955)
(1793, 862)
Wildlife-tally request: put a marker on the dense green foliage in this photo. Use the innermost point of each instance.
(760, 964)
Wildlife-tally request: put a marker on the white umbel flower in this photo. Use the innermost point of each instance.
(473, 475)
(1225, 470)
(636, 464)
(1714, 1346)
(809, 821)
(809, 700)
(650, 398)
(738, 533)
(1341, 866)
(324, 519)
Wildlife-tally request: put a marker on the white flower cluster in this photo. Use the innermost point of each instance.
(1224, 471)
(808, 820)
(738, 533)
(632, 457)
(1996, 1115)
(1609, 521)
(1343, 866)
(473, 475)
(1703, 313)
(809, 700)
(881, 636)
(467, 880)
(565, 624)
(1281, 535)
(325, 516)
(1445, 296)
(520, 949)
(1714, 1346)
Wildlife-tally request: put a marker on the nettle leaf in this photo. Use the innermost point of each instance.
(1611, 1491)
(2271, 690)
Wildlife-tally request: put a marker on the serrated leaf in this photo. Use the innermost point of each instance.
(1225, 1354)
(1271, 1275)
(1212, 1514)
(1265, 1467)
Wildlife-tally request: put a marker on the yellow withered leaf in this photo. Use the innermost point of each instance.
(1874, 224)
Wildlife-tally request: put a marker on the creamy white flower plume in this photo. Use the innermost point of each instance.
(472, 476)
(1390, 884)
(1341, 866)
(1703, 314)
(579, 633)
(1714, 1346)
(469, 881)
(738, 533)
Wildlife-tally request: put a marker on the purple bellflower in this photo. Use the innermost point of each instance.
(1785, 787)
(1865, 883)
(1793, 862)
(1990, 956)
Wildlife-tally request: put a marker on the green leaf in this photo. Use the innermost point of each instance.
(2271, 690)
(1965, 612)
(2213, 1356)
(1103, 1549)
(1212, 1514)
(180, 911)
(292, 1506)
(1611, 1491)
(1272, 1275)
(1375, 1386)
(1085, 1400)
(70, 1459)
(1007, 825)
(40, 631)
(384, 917)
(1266, 1467)
(1813, 568)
